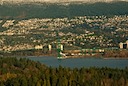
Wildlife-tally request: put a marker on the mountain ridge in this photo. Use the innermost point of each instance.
(57, 1)
(48, 10)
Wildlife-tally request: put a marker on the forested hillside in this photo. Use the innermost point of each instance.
(47, 10)
(24, 72)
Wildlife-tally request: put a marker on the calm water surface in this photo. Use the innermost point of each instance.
(82, 62)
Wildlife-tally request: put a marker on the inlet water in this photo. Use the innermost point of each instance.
(81, 62)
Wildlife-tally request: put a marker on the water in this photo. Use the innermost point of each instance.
(82, 62)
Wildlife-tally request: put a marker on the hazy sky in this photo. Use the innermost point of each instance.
(65, 0)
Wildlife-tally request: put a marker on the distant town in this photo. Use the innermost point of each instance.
(63, 42)
(77, 33)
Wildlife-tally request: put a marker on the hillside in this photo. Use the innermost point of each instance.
(47, 10)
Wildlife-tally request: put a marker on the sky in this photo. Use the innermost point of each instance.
(66, 0)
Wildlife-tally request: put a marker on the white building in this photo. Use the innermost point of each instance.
(38, 47)
(121, 45)
(49, 47)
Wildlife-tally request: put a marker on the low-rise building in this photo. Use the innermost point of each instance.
(38, 47)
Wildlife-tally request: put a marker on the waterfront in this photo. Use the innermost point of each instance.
(81, 62)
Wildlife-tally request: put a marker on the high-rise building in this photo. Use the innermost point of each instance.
(121, 45)
(50, 47)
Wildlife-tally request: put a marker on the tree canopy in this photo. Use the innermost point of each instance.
(24, 72)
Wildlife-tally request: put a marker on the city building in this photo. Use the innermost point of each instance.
(123, 45)
(50, 47)
(38, 47)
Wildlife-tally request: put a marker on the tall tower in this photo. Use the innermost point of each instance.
(61, 47)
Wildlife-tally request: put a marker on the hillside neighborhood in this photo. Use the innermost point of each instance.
(80, 32)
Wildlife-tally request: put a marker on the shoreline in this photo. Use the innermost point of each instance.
(116, 58)
(73, 57)
(67, 57)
